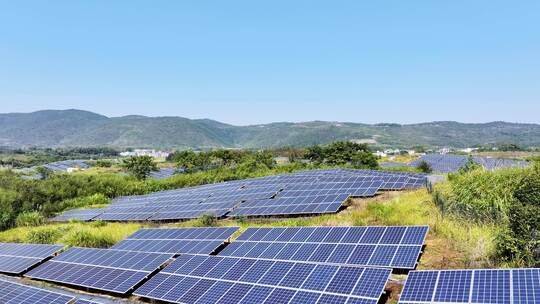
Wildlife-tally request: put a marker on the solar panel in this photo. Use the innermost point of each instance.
(78, 214)
(390, 247)
(177, 240)
(163, 173)
(18, 258)
(300, 193)
(127, 214)
(100, 269)
(472, 286)
(214, 279)
(15, 293)
(292, 205)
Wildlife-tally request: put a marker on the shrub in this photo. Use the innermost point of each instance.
(83, 237)
(206, 220)
(528, 191)
(424, 167)
(520, 242)
(44, 235)
(483, 196)
(29, 219)
(94, 200)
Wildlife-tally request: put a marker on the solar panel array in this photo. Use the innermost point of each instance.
(64, 165)
(390, 247)
(214, 279)
(18, 258)
(163, 173)
(14, 293)
(108, 270)
(447, 163)
(301, 193)
(177, 240)
(472, 286)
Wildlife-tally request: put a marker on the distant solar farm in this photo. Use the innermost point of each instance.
(301, 193)
(447, 163)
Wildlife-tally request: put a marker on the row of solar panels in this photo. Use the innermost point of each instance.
(196, 277)
(301, 193)
(15, 293)
(446, 163)
(445, 286)
(229, 279)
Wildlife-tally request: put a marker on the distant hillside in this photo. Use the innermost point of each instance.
(51, 128)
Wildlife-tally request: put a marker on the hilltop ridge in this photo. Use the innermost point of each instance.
(65, 128)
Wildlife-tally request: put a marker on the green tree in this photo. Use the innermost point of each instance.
(343, 153)
(424, 166)
(469, 165)
(44, 172)
(140, 166)
(364, 159)
(315, 154)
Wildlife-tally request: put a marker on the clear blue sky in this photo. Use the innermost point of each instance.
(246, 62)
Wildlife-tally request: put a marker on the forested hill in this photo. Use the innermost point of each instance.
(53, 128)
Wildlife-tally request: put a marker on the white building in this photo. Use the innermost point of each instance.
(146, 152)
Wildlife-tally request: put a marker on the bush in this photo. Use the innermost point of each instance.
(483, 196)
(94, 200)
(206, 220)
(520, 242)
(528, 191)
(101, 163)
(424, 167)
(89, 238)
(44, 235)
(29, 219)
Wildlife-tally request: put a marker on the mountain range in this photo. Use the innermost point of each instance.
(70, 128)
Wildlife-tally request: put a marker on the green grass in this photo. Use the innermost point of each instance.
(96, 234)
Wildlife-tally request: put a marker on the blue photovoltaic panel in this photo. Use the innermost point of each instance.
(392, 246)
(78, 214)
(177, 240)
(15, 293)
(214, 279)
(17, 258)
(496, 286)
(292, 205)
(101, 269)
